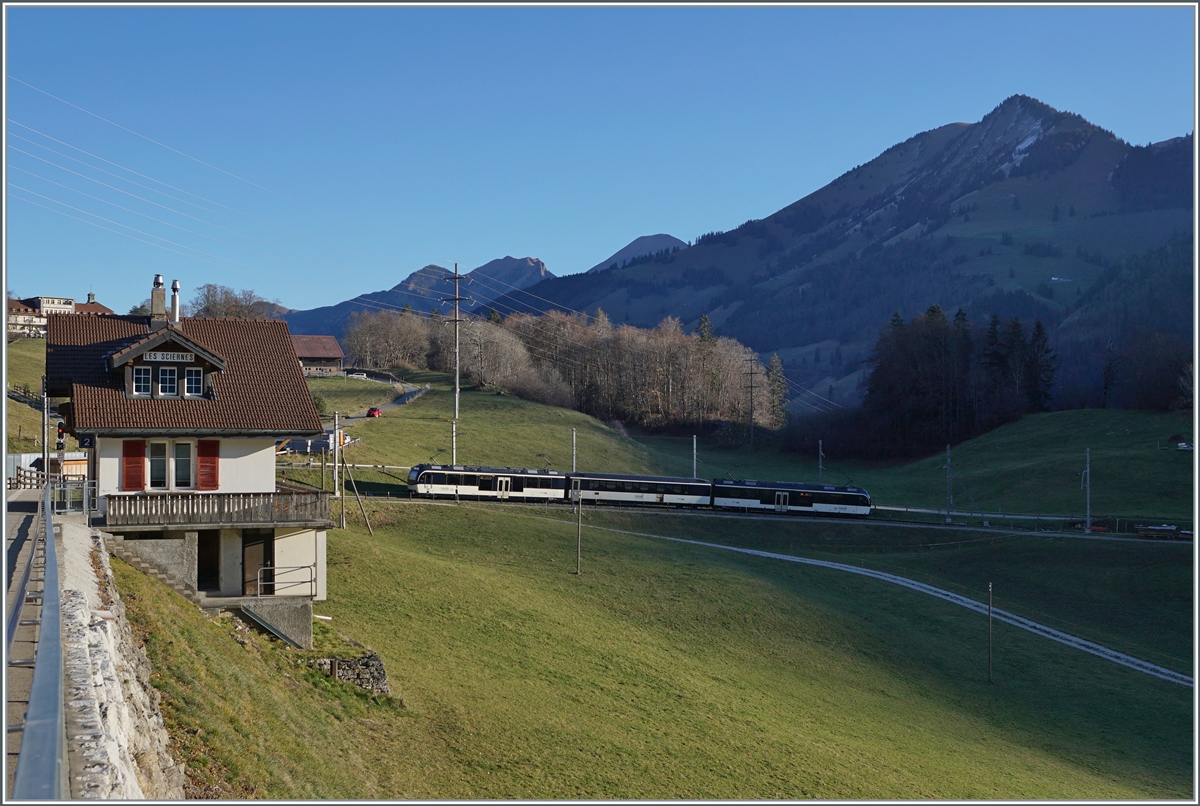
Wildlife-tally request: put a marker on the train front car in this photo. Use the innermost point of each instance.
(613, 488)
(749, 495)
(474, 483)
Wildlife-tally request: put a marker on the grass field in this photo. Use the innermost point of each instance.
(493, 429)
(666, 671)
(1032, 466)
(25, 363)
(351, 396)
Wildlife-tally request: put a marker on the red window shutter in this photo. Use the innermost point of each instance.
(133, 465)
(208, 453)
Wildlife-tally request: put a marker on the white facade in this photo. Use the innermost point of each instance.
(247, 465)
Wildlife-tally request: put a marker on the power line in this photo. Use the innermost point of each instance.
(183, 154)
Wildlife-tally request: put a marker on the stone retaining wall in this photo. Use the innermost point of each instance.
(116, 741)
(366, 672)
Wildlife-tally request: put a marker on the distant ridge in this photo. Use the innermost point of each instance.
(423, 291)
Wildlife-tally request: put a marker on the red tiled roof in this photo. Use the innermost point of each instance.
(92, 307)
(317, 347)
(261, 389)
(16, 306)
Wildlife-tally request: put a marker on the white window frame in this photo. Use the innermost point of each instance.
(149, 381)
(171, 464)
(191, 459)
(173, 374)
(188, 375)
(166, 459)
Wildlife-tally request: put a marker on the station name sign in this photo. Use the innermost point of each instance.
(175, 358)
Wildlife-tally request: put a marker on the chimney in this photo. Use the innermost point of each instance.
(175, 301)
(158, 304)
(91, 297)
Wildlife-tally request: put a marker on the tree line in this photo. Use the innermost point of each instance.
(936, 381)
(654, 378)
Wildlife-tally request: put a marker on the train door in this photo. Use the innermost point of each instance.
(781, 502)
(503, 487)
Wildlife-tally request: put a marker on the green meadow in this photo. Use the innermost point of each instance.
(668, 670)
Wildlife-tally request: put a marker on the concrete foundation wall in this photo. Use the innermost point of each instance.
(290, 615)
(299, 548)
(175, 554)
(231, 562)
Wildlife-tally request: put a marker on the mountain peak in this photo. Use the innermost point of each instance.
(639, 247)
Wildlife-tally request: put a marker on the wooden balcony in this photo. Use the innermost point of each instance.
(287, 506)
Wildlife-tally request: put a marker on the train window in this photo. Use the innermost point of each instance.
(453, 479)
(518, 484)
(660, 488)
(610, 485)
(801, 499)
(644, 488)
(629, 486)
(470, 481)
(437, 478)
(559, 483)
(487, 483)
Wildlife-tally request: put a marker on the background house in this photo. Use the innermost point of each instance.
(27, 317)
(318, 355)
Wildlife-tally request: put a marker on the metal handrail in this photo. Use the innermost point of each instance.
(41, 772)
(277, 585)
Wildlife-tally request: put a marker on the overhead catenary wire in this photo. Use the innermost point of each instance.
(184, 154)
(169, 196)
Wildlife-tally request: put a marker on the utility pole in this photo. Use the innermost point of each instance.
(333, 444)
(1087, 486)
(572, 450)
(820, 462)
(454, 442)
(949, 488)
(694, 457)
(45, 431)
(577, 494)
(456, 299)
(989, 633)
(751, 373)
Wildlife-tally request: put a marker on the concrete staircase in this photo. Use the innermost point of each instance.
(121, 549)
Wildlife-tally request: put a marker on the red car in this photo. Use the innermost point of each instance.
(374, 411)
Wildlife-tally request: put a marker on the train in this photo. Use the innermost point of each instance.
(475, 483)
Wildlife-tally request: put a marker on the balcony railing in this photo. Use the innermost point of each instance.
(287, 505)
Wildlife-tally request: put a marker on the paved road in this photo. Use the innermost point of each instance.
(20, 520)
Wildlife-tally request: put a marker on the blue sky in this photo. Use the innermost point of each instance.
(314, 153)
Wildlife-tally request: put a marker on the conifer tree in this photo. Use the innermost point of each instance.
(777, 390)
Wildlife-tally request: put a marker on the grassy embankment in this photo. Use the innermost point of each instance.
(669, 670)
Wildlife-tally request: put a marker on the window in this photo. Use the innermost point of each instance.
(183, 464)
(158, 465)
(193, 381)
(166, 381)
(141, 380)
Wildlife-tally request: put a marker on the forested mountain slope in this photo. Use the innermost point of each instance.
(1020, 214)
